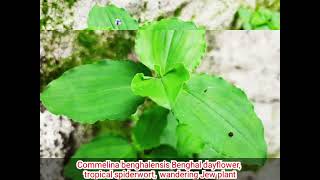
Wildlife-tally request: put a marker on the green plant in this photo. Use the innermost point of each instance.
(260, 19)
(190, 115)
(106, 18)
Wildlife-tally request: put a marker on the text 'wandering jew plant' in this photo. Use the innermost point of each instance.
(173, 111)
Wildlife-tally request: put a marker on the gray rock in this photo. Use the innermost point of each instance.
(54, 133)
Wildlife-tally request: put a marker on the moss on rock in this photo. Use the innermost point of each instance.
(64, 50)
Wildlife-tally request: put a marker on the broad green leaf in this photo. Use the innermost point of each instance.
(163, 90)
(164, 44)
(221, 117)
(106, 146)
(208, 151)
(162, 152)
(168, 135)
(188, 141)
(93, 92)
(104, 18)
(99, 149)
(150, 126)
(169, 24)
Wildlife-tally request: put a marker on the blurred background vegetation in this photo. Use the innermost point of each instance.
(265, 16)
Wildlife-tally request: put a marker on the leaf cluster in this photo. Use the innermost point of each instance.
(260, 19)
(193, 115)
